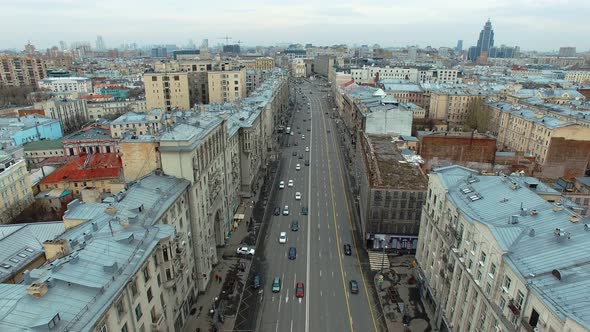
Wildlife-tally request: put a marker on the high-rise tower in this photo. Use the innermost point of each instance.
(486, 38)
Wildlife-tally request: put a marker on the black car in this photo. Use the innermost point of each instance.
(308, 129)
(347, 250)
(295, 225)
(277, 211)
(354, 287)
(294, 153)
(256, 281)
(292, 253)
(304, 210)
(300, 156)
(306, 162)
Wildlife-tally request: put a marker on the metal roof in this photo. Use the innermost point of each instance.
(537, 244)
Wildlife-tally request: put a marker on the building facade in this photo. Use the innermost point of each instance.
(226, 86)
(71, 113)
(168, 91)
(494, 255)
(15, 188)
(66, 84)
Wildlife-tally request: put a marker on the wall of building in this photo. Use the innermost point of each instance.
(394, 121)
(15, 190)
(15, 71)
(167, 91)
(226, 86)
(71, 113)
(140, 157)
(478, 153)
(565, 158)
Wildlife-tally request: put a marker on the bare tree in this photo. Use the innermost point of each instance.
(479, 117)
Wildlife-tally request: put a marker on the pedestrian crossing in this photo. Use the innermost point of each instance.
(378, 259)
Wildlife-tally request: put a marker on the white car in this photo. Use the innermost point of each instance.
(282, 185)
(290, 184)
(307, 149)
(303, 137)
(245, 251)
(292, 134)
(297, 195)
(286, 210)
(297, 167)
(283, 237)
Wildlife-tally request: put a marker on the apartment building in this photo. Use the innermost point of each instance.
(264, 63)
(453, 104)
(494, 255)
(371, 74)
(71, 113)
(405, 92)
(226, 86)
(561, 148)
(15, 187)
(168, 91)
(37, 151)
(578, 76)
(15, 71)
(391, 195)
(29, 128)
(132, 256)
(66, 84)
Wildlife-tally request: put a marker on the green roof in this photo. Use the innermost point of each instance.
(44, 145)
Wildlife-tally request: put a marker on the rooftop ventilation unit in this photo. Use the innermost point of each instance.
(475, 197)
(513, 220)
(466, 190)
(557, 207)
(574, 219)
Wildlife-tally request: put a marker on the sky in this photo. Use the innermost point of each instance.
(542, 25)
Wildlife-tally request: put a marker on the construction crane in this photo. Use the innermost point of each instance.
(227, 39)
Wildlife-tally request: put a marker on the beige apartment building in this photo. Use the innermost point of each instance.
(452, 105)
(494, 255)
(169, 91)
(15, 188)
(226, 86)
(265, 63)
(72, 113)
(561, 148)
(15, 71)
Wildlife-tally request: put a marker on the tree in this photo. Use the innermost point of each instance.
(479, 117)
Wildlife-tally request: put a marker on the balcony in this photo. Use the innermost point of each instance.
(158, 323)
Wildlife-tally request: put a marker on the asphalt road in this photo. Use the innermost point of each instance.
(321, 265)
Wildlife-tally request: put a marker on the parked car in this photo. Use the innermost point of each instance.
(245, 251)
(256, 281)
(306, 162)
(294, 153)
(307, 149)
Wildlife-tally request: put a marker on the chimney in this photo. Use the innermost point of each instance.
(27, 277)
(55, 249)
(37, 289)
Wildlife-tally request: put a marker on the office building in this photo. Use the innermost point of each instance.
(159, 52)
(15, 187)
(501, 253)
(264, 63)
(484, 43)
(15, 71)
(459, 47)
(567, 51)
(100, 46)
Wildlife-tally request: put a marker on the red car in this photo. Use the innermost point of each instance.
(299, 290)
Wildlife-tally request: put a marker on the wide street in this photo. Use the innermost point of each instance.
(321, 263)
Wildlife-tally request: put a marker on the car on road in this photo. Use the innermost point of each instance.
(306, 162)
(354, 287)
(300, 156)
(302, 137)
(299, 290)
(308, 129)
(286, 210)
(294, 153)
(256, 281)
(292, 253)
(295, 143)
(304, 210)
(297, 196)
(299, 132)
(277, 211)
(245, 251)
(298, 167)
(276, 285)
(347, 250)
(290, 183)
(294, 225)
(292, 134)
(307, 149)
(282, 185)
(283, 237)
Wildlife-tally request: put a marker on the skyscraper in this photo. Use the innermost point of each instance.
(567, 51)
(100, 43)
(459, 47)
(486, 39)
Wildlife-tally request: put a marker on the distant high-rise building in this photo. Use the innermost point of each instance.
(21, 71)
(472, 53)
(485, 41)
(231, 48)
(62, 45)
(567, 51)
(412, 52)
(159, 52)
(459, 47)
(100, 44)
(30, 49)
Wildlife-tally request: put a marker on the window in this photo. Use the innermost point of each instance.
(150, 296)
(519, 300)
(482, 259)
(507, 282)
(492, 271)
(488, 289)
(154, 78)
(134, 288)
(165, 254)
(502, 303)
(146, 273)
(124, 328)
(138, 312)
(120, 306)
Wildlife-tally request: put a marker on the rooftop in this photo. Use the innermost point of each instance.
(526, 114)
(393, 170)
(95, 166)
(453, 134)
(54, 144)
(64, 79)
(21, 244)
(543, 237)
(92, 132)
(103, 255)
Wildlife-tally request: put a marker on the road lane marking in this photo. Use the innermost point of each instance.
(277, 326)
(280, 300)
(320, 273)
(308, 259)
(321, 293)
(292, 324)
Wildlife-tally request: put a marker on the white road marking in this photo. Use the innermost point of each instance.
(329, 239)
(291, 325)
(321, 293)
(320, 271)
(277, 326)
(280, 298)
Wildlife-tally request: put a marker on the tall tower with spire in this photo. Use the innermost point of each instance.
(486, 38)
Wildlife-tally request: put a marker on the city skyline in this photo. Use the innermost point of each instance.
(542, 26)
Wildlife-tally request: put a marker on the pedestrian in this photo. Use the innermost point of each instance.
(215, 276)
(219, 279)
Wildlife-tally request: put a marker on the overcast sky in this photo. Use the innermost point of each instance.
(531, 24)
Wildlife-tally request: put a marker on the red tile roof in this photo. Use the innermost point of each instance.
(100, 166)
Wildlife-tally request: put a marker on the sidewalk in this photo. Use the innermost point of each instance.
(228, 290)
